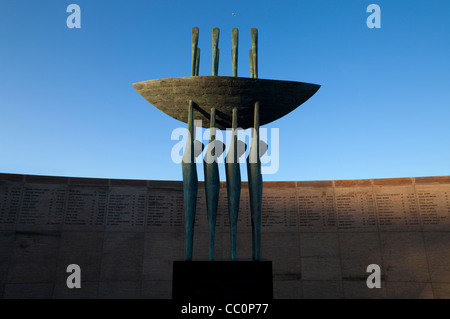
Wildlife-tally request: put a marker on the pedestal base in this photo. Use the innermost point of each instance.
(219, 280)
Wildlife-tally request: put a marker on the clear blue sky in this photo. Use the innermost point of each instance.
(67, 106)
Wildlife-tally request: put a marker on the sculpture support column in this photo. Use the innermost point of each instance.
(233, 175)
(190, 183)
(212, 182)
(255, 186)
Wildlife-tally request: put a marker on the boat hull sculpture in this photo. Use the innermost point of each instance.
(277, 98)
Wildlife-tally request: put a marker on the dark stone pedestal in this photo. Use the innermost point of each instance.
(222, 280)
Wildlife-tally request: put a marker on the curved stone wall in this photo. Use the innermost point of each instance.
(320, 235)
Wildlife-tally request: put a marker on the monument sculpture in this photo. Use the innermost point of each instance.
(223, 102)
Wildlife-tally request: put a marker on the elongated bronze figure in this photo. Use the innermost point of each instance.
(212, 181)
(190, 184)
(255, 186)
(233, 174)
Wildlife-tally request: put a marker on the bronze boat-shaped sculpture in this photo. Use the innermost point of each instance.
(277, 98)
(223, 102)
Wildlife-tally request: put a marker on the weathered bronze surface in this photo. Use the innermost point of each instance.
(233, 176)
(277, 98)
(190, 185)
(195, 52)
(215, 51)
(255, 186)
(234, 50)
(212, 181)
(254, 53)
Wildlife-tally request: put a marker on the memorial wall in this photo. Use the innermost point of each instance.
(320, 235)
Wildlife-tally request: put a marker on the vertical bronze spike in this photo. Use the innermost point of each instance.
(194, 50)
(217, 62)
(252, 72)
(254, 36)
(215, 49)
(197, 62)
(234, 50)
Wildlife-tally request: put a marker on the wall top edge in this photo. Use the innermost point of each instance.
(88, 181)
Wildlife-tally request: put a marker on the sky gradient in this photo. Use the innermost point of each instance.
(68, 108)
